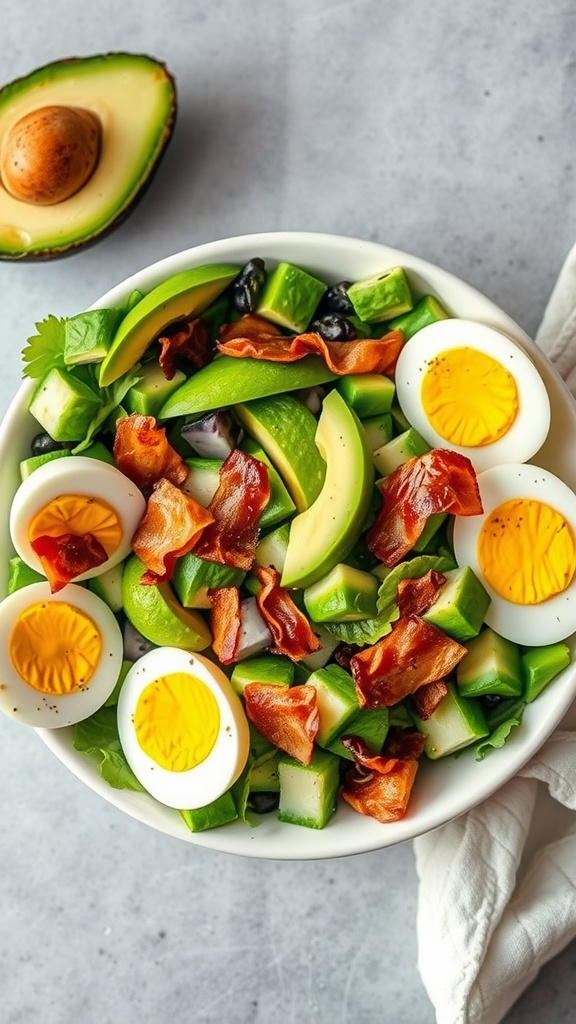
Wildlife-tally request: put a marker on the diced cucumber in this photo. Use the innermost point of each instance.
(336, 701)
(370, 725)
(271, 549)
(456, 723)
(21, 575)
(540, 665)
(345, 594)
(280, 505)
(202, 480)
(96, 450)
(193, 577)
(378, 430)
(108, 587)
(266, 668)
(148, 394)
(492, 665)
(290, 297)
(461, 605)
(308, 792)
(369, 394)
(426, 311)
(399, 450)
(219, 812)
(381, 297)
(64, 406)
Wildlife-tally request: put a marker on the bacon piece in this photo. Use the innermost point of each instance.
(416, 595)
(242, 495)
(345, 652)
(186, 344)
(414, 653)
(292, 633)
(171, 525)
(376, 785)
(286, 716)
(225, 622)
(439, 481)
(143, 453)
(67, 556)
(250, 336)
(428, 697)
(406, 744)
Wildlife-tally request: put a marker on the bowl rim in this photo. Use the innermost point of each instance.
(348, 833)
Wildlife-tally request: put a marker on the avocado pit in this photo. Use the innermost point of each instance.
(49, 154)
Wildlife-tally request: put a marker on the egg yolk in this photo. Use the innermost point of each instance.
(526, 551)
(78, 514)
(469, 398)
(55, 648)
(177, 720)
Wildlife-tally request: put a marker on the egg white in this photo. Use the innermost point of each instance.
(50, 711)
(76, 474)
(208, 780)
(529, 625)
(529, 430)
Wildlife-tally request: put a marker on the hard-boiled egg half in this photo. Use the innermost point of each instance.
(75, 501)
(182, 728)
(523, 548)
(464, 385)
(60, 655)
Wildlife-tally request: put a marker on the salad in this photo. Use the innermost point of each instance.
(278, 541)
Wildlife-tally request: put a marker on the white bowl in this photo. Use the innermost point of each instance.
(443, 789)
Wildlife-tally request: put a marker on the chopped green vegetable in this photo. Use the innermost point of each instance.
(98, 735)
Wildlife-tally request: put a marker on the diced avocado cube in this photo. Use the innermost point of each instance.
(96, 450)
(540, 665)
(151, 390)
(64, 406)
(381, 297)
(265, 668)
(271, 549)
(87, 336)
(368, 724)
(345, 594)
(336, 701)
(21, 575)
(456, 723)
(219, 812)
(280, 505)
(369, 394)
(461, 605)
(430, 531)
(264, 777)
(378, 430)
(308, 792)
(193, 577)
(399, 450)
(202, 480)
(290, 296)
(108, 587)
(426, 311)
(492, 665)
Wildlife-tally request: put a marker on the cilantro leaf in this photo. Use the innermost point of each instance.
(111, 397)
(45, 350)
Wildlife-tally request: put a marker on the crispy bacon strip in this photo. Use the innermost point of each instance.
(250, 336)
(292, 633)
(416, 595)
(225, 622)
(171, 525)
(68, 556)
(286, 716)
(241, 497)
(428, 697)
(376, 785)
(187, 344)
(143, 453)
(407, 744)
(439, 481)
(414, 653)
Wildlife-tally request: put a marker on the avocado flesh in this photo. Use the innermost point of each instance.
(185, 294)
(133, 96)
(324, 534)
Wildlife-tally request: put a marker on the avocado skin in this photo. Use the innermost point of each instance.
(59, 252)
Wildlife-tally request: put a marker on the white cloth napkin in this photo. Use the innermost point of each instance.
(497, 900)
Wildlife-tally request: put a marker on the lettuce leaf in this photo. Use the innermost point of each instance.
(506, 716)
(98, 736)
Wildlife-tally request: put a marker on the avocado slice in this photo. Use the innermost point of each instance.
(182, 295)
(324, 534)
(132, 98)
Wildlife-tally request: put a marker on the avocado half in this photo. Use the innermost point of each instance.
(133, 99)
